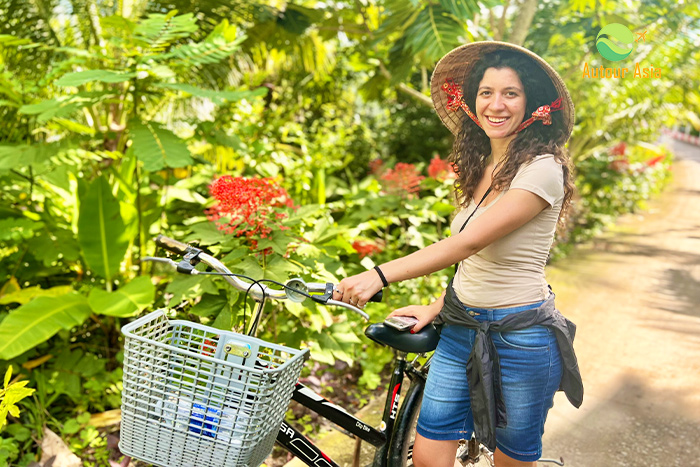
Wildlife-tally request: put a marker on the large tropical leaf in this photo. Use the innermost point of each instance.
(24, 296)
(105, 76)
(463, 9)
(434, 33)
(38, 320)
(127, 301)
(101, 229)
(157, 147)
(398, 15)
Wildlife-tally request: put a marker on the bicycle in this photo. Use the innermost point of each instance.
(394, 437)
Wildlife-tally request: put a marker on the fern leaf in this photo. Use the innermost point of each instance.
(218, 97)
(81, 77)
(7, 40)
(17, 156)
(157, 32)
(157, 147)
(202, 53)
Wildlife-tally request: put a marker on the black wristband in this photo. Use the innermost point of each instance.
(381, 276)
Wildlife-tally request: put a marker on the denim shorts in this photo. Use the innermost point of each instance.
(530, 373)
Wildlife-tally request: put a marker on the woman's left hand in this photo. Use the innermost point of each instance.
(358, 289)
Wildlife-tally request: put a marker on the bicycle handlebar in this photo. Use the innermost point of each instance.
(171, 244)
(256, 290)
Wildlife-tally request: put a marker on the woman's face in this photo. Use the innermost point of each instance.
(500, 102)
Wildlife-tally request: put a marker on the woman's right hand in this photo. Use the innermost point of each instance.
(425, 314)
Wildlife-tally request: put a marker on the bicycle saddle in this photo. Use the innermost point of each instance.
(423, 341)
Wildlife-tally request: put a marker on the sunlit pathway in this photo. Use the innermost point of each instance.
(635, 296)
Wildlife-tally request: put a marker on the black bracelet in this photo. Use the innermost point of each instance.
(381, 276)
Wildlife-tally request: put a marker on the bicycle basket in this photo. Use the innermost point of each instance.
(194, 395)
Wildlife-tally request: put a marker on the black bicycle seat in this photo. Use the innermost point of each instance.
(424, 340)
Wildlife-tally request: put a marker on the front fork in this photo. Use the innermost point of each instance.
(391, 407)
(397, 423)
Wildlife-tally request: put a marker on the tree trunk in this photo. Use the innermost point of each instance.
(522, 21)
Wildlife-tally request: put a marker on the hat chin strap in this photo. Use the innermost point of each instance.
(455, 101)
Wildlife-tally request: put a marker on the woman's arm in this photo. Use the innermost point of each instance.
(512, 211)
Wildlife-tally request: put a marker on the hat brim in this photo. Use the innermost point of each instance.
(457, 65)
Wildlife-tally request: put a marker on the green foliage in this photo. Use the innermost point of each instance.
(126, 301)
(81, 77)
(101, 229)
(158, 147)
(10, 395)
(38, 320)
(112, 135)
(610, 184)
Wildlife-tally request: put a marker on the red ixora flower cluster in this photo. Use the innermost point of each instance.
(440, 169)
(247, 206)
(655, 160)
(376, 166)
(367, 248)
(620, 162)
(403, 180)
(619, 149)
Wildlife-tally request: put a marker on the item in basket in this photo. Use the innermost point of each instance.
(234, 424)
(200, 416)
(173, 412)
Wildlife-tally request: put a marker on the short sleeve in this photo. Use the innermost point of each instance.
(543, 176)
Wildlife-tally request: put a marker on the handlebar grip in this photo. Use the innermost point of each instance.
(171, 245)
(377, 297)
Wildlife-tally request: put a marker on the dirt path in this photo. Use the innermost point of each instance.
(635, 296)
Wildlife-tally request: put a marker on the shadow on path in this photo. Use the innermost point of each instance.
(626, 430)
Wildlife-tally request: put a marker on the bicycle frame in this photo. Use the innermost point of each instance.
(310, 454)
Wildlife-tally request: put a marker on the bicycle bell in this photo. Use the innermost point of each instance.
(296, 284)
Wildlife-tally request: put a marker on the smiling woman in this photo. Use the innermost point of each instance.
(511, 115)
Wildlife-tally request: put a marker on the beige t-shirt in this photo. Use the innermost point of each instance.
(510, 270)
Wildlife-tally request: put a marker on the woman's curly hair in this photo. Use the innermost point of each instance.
(472, 147)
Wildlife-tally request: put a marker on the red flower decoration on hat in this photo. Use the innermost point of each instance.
(543, 112)
(455, 99)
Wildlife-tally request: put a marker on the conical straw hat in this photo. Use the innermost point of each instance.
(457, 65)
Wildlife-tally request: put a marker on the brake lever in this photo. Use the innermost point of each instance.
(349, 307)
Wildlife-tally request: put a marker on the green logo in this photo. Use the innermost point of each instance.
(609, 49)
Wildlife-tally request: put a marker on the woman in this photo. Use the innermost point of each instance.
(513, 184)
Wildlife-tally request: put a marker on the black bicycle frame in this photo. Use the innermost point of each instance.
(310, 454)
